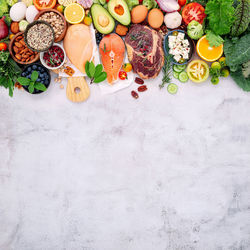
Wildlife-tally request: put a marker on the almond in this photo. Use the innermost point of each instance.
(16, 50)
(19, 45)
(18, 56)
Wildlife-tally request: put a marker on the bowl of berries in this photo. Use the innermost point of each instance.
(54, 57)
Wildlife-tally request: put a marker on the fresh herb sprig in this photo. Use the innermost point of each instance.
(95, 73)
(166, 69)
(32, 83)
(9, 71)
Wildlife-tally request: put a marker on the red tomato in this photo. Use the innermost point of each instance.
(182, 2)
(3, 46)
(123, 75)
(140, 1)
(193, 11)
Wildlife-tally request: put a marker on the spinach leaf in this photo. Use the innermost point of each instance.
(242, 16)
(220, 16)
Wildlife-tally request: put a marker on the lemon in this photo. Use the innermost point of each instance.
(74, 13)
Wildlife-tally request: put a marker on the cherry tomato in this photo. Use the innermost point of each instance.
(127, 67)
(123, 75)
(60, 8)
(3, 46)
(140, 1)
(193, 11)
(182, 2)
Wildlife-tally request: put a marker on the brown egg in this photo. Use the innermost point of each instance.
(155, 18)
(139, 13)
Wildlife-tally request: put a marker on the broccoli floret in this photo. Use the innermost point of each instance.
(194, 30)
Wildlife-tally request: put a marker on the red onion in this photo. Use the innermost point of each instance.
(4, 31)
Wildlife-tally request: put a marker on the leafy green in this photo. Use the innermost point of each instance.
(213, 39)
(220, 14)
(96, 74)
(242, 16)
(9, 71)
(202, 2)
(11, 2)
(237, 51)
(241, 81)
(32, 83)
(3, 7)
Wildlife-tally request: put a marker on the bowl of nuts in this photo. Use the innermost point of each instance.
(20, 52)
(56, 20)
(39, 36)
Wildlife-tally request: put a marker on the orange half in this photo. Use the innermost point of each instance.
(207, 52)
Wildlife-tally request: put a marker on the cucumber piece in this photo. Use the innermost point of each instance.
(172, 88)
(181, 67)
(176, 68)
(176, 75)
(183, 76)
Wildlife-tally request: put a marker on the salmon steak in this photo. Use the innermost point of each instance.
(112, 51)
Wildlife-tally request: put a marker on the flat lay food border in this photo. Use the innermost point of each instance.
(134, 40)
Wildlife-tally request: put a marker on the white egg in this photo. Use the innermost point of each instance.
(18, 11)
(31, 12)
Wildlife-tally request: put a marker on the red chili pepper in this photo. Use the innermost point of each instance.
(123, 75)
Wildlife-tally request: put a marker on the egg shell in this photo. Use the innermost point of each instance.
(155, 18)
(139, 13)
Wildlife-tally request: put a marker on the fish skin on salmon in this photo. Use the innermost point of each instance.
(112, 51)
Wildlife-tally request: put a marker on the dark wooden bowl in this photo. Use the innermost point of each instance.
(60, 38)
(31, 25)
(11, 45)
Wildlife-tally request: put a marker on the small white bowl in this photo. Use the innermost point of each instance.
(44, 63)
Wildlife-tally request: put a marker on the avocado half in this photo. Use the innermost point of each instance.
(102, 20)
(120, 11)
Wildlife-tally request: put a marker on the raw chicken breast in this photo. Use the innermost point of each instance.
(78, 45)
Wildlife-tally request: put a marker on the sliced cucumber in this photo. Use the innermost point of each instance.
(182, 66)
(176, 68)
(172, 88)
(183, 76)
(176, 75)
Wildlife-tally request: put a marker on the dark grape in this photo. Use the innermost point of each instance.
(99, 37)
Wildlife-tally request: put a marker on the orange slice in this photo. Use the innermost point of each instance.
(74, 13)
(206, 52)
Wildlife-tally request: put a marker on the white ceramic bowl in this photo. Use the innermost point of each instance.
(52, 68)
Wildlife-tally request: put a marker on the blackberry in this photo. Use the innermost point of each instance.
(98, 37)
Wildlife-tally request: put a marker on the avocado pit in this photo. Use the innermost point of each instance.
(119, 10)
(103, 20)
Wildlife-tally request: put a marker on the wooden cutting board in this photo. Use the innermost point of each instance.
(77, 89)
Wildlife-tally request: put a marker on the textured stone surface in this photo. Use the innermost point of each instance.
(159, 173)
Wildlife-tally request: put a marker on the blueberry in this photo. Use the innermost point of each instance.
(34, 67)
(40, 68)
(23, 74)
(38, 79)
(29, 69)
(29, 75)
(46, 77)
(41, 75)
(46, 82)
